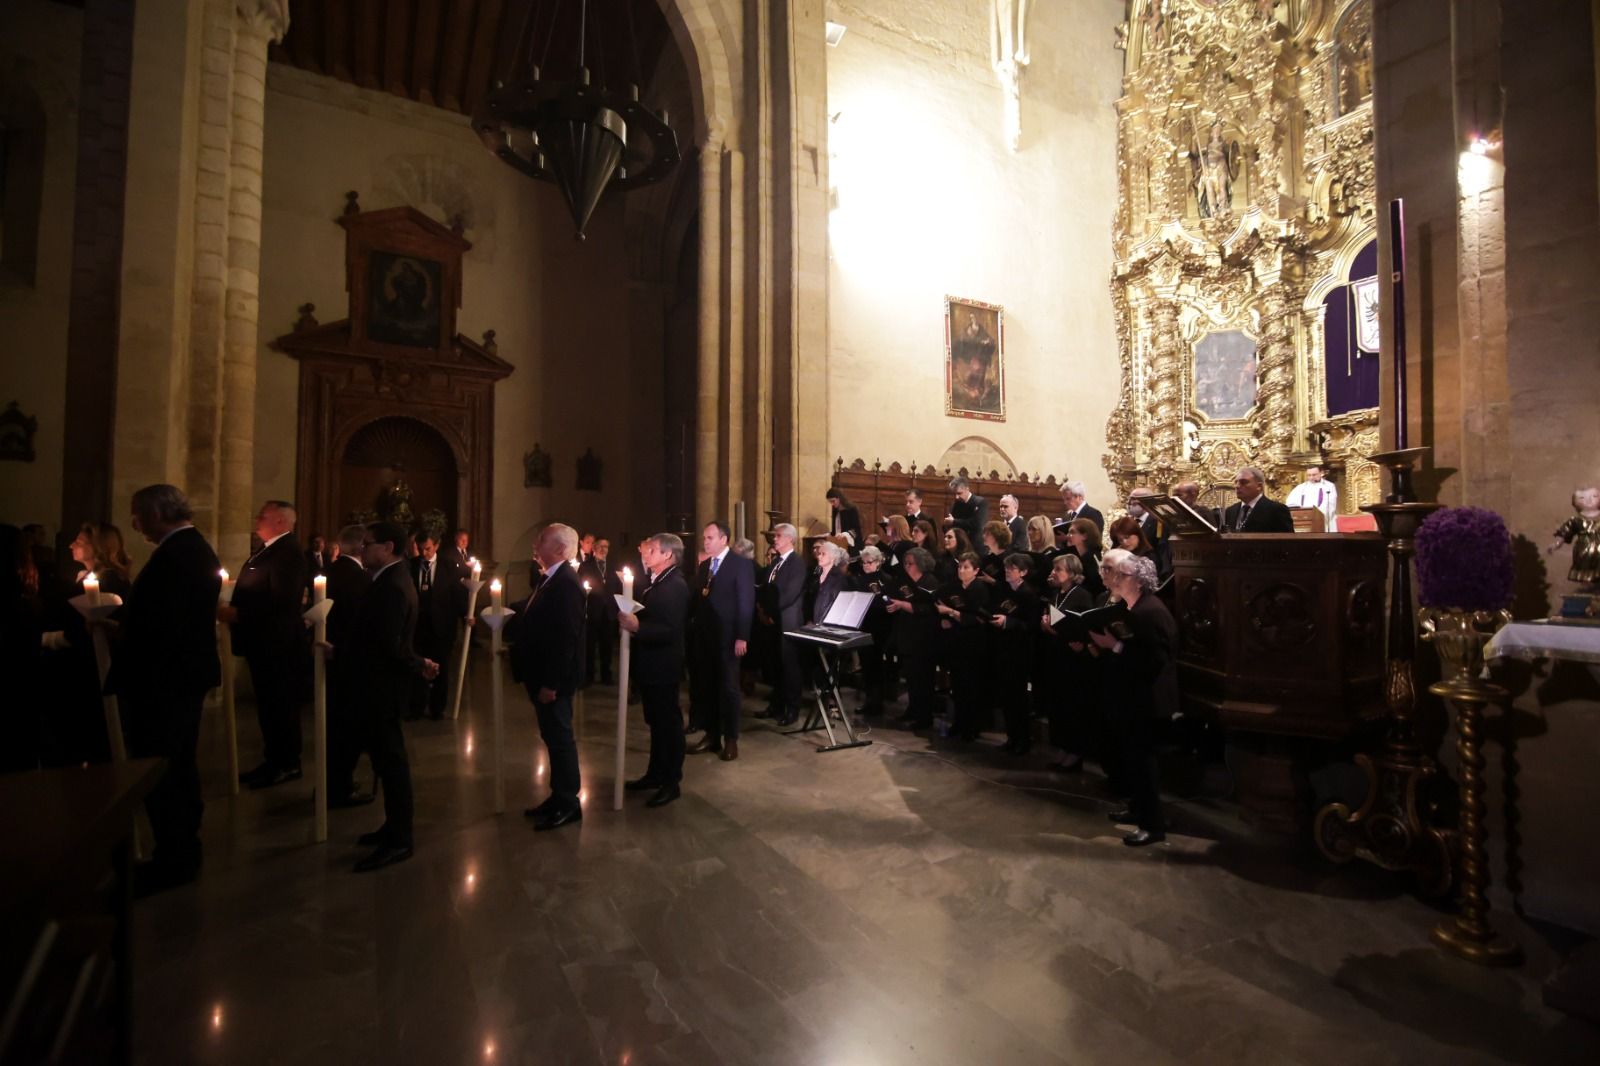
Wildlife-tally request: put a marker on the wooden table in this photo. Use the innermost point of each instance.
(65, 961)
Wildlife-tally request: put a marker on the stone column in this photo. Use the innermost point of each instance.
(733, 406)
(210, 278)
(708, 416)
(260, 22)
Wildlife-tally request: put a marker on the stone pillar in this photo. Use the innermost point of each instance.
(708, 415)
(260, 22)
(733, 391)
(210, 279)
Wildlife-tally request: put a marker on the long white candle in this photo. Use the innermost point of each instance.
(91, 589)
(230, 719)
(495, 593)
(319, 705)
(623, 655)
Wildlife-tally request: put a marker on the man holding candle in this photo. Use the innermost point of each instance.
(600, 633)
(347, 587)
(658, 632)
(380, 653)
(547, 657)
(269, 634)
(163, 667)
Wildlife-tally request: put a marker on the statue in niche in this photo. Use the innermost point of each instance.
(536, 469)
(588, 471)
(1191, 441)
(1155, 26)
(1214, 166)
(1353, 57)
(394, 502)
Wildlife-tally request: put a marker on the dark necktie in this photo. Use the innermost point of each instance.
(426, 577)
(715, 562)
(1244, 515)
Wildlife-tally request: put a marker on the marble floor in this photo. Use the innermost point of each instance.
(899, 903)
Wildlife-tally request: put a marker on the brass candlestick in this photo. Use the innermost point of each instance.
(1388, 829)
(1459, 636)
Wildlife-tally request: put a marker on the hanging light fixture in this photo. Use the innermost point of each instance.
(583, 136)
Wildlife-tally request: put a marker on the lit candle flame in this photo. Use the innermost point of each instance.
(223, 573)
(216, 1017)
(494, 586)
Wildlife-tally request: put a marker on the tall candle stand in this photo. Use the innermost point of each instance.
(495, 616)
(317, 616)
(1389, 829)
(473, 584)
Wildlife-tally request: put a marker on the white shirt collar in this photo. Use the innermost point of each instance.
(176, 529)
(721, 555)
(379, 572)
(275, 540)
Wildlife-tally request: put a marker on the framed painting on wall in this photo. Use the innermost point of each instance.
(404, 300)
(974, 359)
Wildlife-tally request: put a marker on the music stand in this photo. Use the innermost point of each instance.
(1178, 515)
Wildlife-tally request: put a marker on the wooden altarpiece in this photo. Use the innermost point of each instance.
(397, 356)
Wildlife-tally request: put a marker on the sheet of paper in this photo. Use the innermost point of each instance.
(1055, 614)
(626, 605)
(848, 609)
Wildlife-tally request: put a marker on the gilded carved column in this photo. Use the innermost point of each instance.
(1165, 417)
(1276, 392)
(259, 23)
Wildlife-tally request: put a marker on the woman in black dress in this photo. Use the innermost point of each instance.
(1014, 615)
(1083, 540)
(1141, 688)
(1068, 675)
(963, 608)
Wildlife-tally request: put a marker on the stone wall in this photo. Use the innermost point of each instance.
(929, 200)
(559, 308)
(40, 44)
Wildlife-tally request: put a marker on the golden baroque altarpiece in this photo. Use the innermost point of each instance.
(1245, 175)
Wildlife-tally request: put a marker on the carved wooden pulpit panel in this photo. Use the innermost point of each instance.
(396, 408)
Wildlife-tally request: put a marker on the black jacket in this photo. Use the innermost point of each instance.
(168, 627)
(604, 583)
(442, 604)
(1093, 514)
(548, 635)
(658, 646)
(380, 648)
(268, 598)
(848, 520)
(783, 592)
(1019, 534)
(1143, 678)
(1266, 516)
(971, 516)
(348, 582)
(721, 607)
(820, 592)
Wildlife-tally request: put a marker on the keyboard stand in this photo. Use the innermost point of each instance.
(827, 704)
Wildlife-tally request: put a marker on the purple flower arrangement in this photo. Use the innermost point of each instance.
(1464, 560)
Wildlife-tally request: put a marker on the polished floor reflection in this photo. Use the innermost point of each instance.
(891, 904)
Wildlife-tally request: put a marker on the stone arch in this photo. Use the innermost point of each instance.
(698, 35)
(978, 456)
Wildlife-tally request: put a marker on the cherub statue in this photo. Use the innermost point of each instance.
(1582, 531)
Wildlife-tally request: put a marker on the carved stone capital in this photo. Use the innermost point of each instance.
(269, 17)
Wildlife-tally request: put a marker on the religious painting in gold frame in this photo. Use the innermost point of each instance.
(974, 359)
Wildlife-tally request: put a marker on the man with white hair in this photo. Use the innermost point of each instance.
(1074, 497)
(547, 657)
(783, 601)
(269, 634)
(1254, 513)
(1009, 514)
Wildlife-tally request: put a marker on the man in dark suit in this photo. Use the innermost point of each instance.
(1074, 499)
(387, 665)
(441, 604)
(269, 633)
(317, 558)
(1189, 493)
(1254, 513)
(457, 552)
(722, 602)
(599, 630)
(1009, 508)
(347, 733)
(658, 632)
(967, 511)
(783, 603)
(844, 519)
(547, 657)
(914, 512)
(165, 663)
(1155, 532)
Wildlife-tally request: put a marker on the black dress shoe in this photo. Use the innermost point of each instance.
(558, 818)
(383, 855)
(354, 799)
(664, 795)
(730, 750)
(640, 784)
(249, 777)
(691, 728)
(1122, 817)
(378, 837)
(1140, 837)
(152, 877)
(276, 776)
(767, 712)
(1072, 766)
(706, 745)
(541, 810)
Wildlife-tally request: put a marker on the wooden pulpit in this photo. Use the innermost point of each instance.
(1282, 647)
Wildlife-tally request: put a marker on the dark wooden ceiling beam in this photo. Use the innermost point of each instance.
(458, 38)
(480, 66)
(335, 29)
(425, 50)
(397, 48)
(305, 35)
(509, 40)
(368, 35)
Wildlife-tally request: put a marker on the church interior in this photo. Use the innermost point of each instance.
(455, 274)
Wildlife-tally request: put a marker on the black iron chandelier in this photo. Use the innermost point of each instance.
(585, 135)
